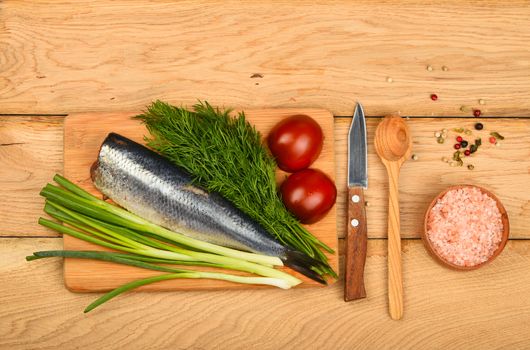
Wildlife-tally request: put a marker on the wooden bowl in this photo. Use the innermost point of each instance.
(504, 239)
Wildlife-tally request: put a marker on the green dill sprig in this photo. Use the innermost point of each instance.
(225, 154)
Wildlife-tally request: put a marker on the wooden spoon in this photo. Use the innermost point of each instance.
(393, 145)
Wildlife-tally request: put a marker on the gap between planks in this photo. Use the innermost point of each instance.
(335, 116)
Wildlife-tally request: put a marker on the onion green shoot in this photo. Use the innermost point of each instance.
(99, 209)
(234, 263)
(195, 274)
(126, 259)
(174, 273)
(142, 244)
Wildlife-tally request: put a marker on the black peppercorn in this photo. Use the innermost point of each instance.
(464, 144)
(479, 126)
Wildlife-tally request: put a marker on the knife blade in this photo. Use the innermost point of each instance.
(356, 238)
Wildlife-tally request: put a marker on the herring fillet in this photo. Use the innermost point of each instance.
(150, 186)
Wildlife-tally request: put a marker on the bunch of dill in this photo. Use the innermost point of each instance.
(226, 155)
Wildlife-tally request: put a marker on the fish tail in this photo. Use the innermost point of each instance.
(302, 263)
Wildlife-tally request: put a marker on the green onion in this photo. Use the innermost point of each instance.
(112, 214)
(127, 259)
(209, 275)
(142, 244)
(232, 263)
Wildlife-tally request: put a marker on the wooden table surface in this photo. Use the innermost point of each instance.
(62, 57)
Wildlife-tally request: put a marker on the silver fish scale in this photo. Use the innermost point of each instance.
(148, 185)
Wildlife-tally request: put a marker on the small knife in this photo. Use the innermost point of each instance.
(356, 239)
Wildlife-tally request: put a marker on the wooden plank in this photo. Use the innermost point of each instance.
(504, 170)
(84, 134)
(95, 56)
(43, 146)
(30, 153)
(487, 308)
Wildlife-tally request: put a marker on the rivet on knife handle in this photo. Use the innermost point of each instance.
(356, 241)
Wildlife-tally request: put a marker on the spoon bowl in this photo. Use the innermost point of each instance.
(392, 139)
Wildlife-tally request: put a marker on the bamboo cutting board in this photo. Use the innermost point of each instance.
(83, 135)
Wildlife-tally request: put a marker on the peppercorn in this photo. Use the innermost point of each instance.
(479, 126)
(457, 146)
(464, 143)
(467, 152)
(493, 139)
(459, 139)
(476, 113)
(434, 97)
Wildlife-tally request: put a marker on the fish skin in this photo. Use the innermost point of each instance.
(149, 185)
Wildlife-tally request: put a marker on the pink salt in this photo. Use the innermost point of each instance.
(465, 226)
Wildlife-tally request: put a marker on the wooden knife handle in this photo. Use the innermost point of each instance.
(356, 241)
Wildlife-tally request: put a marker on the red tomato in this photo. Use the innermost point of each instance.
(296, 142)
(309, 194)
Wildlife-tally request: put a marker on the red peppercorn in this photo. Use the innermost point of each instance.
(457, 146)
(476, 113)
(434, 97)
(493, 139)
(467, 152)
(459, 139)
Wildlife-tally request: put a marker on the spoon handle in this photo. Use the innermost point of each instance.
(395, 284)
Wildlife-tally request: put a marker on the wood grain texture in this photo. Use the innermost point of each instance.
(395, 269)
(487, 308)
(356, 242)
(92, 55)
(84, 134)
(503, 170)
(30, 153)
